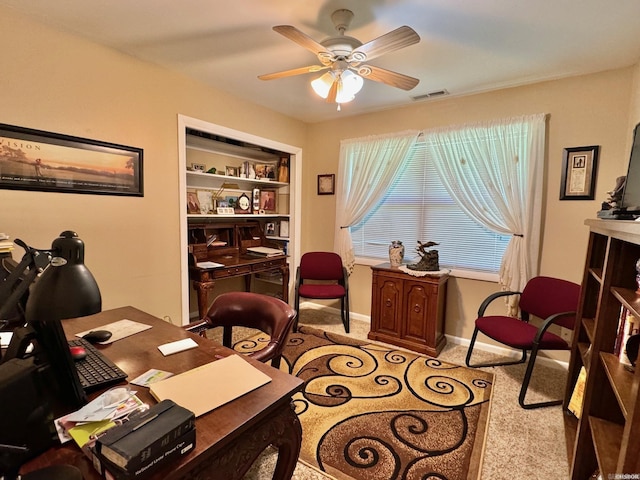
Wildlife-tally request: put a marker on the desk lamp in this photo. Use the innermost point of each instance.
(66, 289)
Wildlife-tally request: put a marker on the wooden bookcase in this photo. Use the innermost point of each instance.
(607, 435)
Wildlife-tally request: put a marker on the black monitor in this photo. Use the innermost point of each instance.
(630, 203)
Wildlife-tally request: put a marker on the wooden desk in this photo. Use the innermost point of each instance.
(229, 438)
(236, 265)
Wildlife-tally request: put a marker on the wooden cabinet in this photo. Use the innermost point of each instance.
(408, 311)
(607, 435)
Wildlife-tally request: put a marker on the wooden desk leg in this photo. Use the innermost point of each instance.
(202, 289)
(285, 282)
(288, 442)
(281, 429)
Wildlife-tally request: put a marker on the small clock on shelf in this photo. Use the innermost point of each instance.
(244, 204)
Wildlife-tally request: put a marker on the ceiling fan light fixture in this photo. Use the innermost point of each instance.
(322, 84)
(349, 86)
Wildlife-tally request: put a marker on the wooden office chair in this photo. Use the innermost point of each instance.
(251, 310)
(328, 280)
(553, 300)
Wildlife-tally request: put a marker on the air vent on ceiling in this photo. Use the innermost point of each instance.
(437, 93)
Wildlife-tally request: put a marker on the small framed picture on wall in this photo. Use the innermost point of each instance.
(326, 184)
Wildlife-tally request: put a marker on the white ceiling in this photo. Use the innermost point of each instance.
(466, 45)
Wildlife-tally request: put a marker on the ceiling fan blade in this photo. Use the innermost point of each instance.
(394, 40)
(333, 92)
(302, 39)
(388, 77)
(292, 72)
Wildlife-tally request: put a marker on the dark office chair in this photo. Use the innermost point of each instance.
(251, 310)
(553, 300)
(328, 279)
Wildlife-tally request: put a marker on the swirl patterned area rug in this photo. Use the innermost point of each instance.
(370, 412)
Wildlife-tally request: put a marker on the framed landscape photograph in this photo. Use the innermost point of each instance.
(38, 160)
(579, 167)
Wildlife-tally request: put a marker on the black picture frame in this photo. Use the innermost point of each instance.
(579, 171)
(326, 184)
(52, 162)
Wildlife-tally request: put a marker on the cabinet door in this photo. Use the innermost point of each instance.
(421, 303)
(387, 305)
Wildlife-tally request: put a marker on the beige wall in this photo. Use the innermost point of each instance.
(56, 82)
(587, 110)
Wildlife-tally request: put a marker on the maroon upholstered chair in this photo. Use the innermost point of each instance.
(252, 310)
(321, 275)
(553, 300)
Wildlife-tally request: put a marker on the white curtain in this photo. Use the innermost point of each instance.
(494, 171)
(368, 167)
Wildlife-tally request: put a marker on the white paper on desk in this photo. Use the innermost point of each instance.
(209, 265)
(119, 330)
(177, 346)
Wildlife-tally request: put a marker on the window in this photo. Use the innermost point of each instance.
(418, 207)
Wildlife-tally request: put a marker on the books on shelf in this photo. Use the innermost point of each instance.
(628, 325)
(265, 251)
(575, 402)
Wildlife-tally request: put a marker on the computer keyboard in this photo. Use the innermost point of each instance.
(95, 370)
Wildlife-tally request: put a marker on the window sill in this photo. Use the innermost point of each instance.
(458, 273)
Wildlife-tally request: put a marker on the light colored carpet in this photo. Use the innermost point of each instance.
(520, 443)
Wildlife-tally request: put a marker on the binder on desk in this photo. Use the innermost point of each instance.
(228, 378)
(264, 251)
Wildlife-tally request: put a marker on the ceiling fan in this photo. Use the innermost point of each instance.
(344, 58)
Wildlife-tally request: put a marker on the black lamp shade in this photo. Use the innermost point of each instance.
(67, 288)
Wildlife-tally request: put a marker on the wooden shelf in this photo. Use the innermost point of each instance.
(621, 381)
(597, 274)
(629, 299)
(589, 327)
(606, 440)
(610, 422)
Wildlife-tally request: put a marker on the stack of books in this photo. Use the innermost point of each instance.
(139, 447)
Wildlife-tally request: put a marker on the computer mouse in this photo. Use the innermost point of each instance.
(77, 353)
(96, 336)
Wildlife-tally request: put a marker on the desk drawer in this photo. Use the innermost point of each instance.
(268, 265)
(231, 271)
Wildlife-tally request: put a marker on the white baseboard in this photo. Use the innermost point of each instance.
(486, 347)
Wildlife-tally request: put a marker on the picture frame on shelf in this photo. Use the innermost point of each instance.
(326, 184)
(193, 205)
(283, 170)
(268, 200)
(270, 229)
(198, 167)
(53, 162)
(205, 198)
(225, 211)
(243, 204)
(284, 228)
(579, 168)
(256, 200)
(231, 171)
